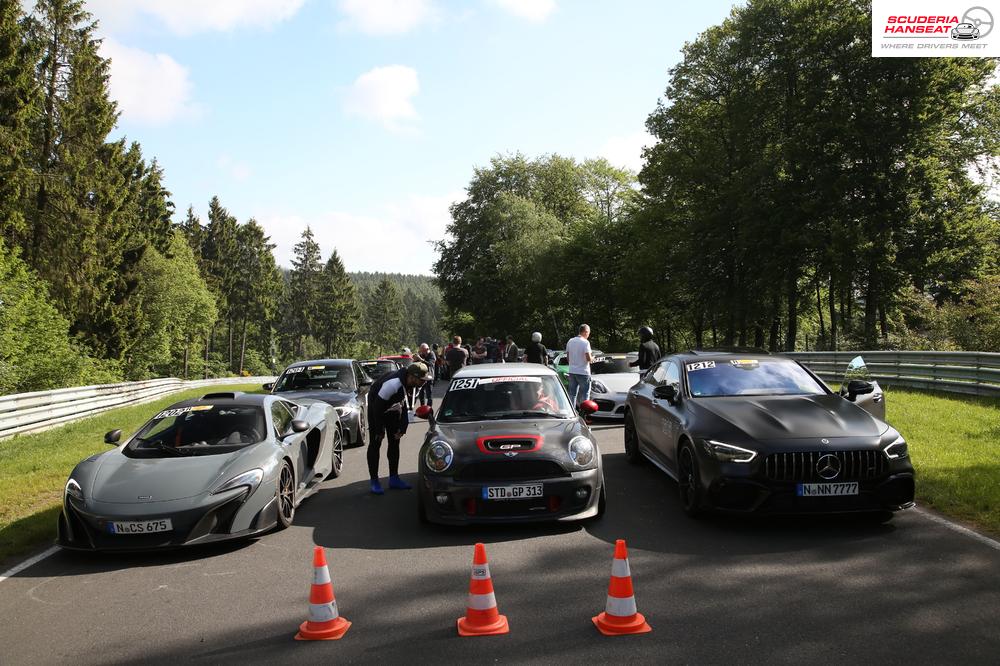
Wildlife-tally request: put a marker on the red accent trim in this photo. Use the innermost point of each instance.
(538, 439)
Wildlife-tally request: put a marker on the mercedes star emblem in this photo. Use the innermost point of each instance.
(828, 466)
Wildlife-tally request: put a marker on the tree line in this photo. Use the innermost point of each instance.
(799, 193)
(99, 283)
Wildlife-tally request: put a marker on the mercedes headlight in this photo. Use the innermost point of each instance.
(73, 489)
(249, 480)
(896, 449)
(581, 450)
(598, 387)
(439, 456)
(727, 452)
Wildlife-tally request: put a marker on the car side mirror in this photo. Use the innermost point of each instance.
(299, 426)
(113, 436)
(367, 381)
(424, 412)
(588, 407)
(666, 392)
(268, 386)
(857, 387)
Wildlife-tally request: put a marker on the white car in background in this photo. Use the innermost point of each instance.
(610, 380)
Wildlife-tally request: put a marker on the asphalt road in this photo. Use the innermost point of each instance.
(716, 590)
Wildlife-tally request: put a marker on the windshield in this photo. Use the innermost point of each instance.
(749, 377)
(198, 430)
(376, 369)
(318, 377)
(610, 366)
(484, 398)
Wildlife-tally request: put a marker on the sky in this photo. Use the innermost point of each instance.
(364, 119)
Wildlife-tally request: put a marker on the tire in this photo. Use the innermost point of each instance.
(337, 456)
(632, 441)
(688, 481)
(285, 495)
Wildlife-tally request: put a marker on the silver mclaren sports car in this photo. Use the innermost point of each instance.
(223, 466)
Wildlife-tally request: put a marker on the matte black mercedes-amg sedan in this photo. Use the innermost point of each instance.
(761, 433)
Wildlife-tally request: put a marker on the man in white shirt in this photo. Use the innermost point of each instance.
(580, 357)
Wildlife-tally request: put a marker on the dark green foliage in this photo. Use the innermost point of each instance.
(384, 316)
(339, 309)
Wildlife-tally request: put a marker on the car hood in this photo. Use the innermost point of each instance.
(335, 398)
(766, 418)
(121, 479)
(616, 382)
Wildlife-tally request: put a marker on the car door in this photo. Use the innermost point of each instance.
(642, 403)
(667, 416)
(855, 388)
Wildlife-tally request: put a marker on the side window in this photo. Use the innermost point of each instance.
(657, 374)
(282, 418)
(359, 374)
(673, 374)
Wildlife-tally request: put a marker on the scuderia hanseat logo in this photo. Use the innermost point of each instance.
(933, 28)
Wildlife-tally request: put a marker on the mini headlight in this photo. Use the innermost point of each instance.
(727, 452)
(73, 489)
(439, 456)
(249, 480)
(598, 387)
(897, 449)
(581, 450)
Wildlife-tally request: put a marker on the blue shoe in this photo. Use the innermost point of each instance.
(397, 483)
(377, 487)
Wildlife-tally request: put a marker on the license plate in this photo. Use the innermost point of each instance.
(140, 526)
(826, 489)
(530, 491)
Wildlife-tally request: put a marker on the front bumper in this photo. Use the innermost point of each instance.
(609, 405)
(465, 504)
(84, 525)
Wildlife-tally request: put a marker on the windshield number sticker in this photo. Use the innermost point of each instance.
(463, 384)
(167, 413)
(292, 371)
(700, 365)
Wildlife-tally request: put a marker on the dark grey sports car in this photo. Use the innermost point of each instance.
(759, 433)
(338, 382)
(507, 446)
(225, 466)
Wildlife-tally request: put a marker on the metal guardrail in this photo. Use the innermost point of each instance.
(975, 373)
(31, 412)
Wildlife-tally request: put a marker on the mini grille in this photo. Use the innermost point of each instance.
(509, 444)
(801, 466)
(510, 470)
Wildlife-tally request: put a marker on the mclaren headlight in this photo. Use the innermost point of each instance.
(598, 387)
(249, 480)
(74, 490)
(581, 450)
(727, 452)
(439, 456)
(896, 449)
(344, 410)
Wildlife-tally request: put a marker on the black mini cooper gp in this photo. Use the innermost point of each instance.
(507, 446)
(759, 433)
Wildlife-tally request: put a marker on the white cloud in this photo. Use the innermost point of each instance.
(535, 11)
(626, 150)
(396, 237)
(150, 88)
(386, 17)
(384, 94)
(235, 169)
(187, 17)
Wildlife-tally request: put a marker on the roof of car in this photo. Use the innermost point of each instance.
(721, 351)
(727, 355)
(505, 370)
(324, 361)
(226, 398)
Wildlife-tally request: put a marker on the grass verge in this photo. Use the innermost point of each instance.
(33, 469)
(953, 442)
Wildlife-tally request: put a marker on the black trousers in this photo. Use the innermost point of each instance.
(376, 432)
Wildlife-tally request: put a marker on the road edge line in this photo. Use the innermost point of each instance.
(18, 568)
(961, 529)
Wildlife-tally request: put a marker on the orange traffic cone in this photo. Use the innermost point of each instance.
(324, 623)
(620, 616)
(481, 615)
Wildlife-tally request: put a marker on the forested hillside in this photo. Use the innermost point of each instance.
(99, 281)
(798, 193)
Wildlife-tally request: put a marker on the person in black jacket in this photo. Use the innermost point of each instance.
(388, 417)
(649, 351)
(536, 352)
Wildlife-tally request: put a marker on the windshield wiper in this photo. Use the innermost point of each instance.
(527, 414)
(160, 444)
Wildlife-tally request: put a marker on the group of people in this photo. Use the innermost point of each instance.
(389, 396)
